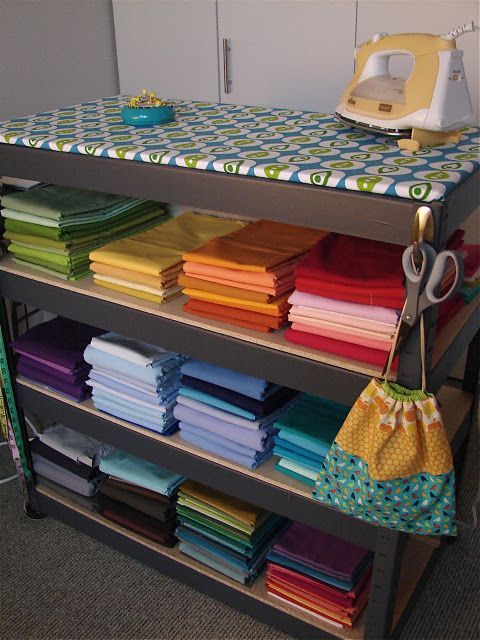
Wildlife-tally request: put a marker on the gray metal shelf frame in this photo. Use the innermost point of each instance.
(360, 214)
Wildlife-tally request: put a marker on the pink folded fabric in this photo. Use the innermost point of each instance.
(342, 320)
(381, 345)
(335, 326)
(380, 314)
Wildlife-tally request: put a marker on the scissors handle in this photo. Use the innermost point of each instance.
(437, 274)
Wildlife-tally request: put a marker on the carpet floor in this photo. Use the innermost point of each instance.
(57, 583)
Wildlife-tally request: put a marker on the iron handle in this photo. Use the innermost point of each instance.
(226, 80)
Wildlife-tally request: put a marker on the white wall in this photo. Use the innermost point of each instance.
(55, 52)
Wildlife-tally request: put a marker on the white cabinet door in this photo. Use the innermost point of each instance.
(287, 53)
(167, 46)
(426, 16)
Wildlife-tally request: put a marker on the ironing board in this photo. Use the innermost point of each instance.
(279, 144)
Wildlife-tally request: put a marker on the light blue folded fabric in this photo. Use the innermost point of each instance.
(141, 472)
(163, 428)
(245, 461)
(154, 397)
(197, 554)
(290, 455)
(226, 442)
(303, 568)
(152, 375)
(156, 412)
(169, 379)
(303, 453)
(246, 437)
(320, 448)
(247, 385)
(216, 402)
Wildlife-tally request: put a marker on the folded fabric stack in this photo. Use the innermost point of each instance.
(471, 280)
(18, 184)
(348, 297)
(245, 278)
(52, 353)
(135, 381)
(319, 573)
(224, 533)
(147, 264)
(306, 432)
(228, 413)
(140, 496)
(64, 458)
(55, 228)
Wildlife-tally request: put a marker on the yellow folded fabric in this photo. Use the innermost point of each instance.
(161, 248)
(158, 282)
(243, 511)
(276, 308)
(161, 292)
(137, 294)
(261, 246)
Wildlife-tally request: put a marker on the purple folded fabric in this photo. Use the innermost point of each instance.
(251, 438)
(78, 376)
(322, 551)
(59, 343)
(78, 391)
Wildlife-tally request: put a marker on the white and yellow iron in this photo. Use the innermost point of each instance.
(427, 108)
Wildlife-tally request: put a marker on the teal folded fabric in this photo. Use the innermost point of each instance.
(290, 455)
(194, 552)
(315, 421)
(301, 451)
(296, 476)
(141, 472)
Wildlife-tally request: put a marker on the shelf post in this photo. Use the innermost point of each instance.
(383, 590)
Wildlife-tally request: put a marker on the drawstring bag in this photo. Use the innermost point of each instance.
(391, 462)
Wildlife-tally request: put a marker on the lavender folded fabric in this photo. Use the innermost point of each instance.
(381, 314)
(61, 476)
(226, 442)
(59, 343)
(78, 391)
(322, 552)
(254, 439)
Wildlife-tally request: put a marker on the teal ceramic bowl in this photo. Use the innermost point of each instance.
(147, 116)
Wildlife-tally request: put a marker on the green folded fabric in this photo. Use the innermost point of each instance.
(216, 535)
(54, 202)
(53, 272)
(215, 525)
(49, 259)
(127, 220)
(205, 509)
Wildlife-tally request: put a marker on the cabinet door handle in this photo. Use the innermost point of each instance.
(227, 83)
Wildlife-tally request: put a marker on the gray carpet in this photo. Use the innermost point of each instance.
(57, 583)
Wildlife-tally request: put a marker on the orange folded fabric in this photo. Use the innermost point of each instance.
(259, 247)
(270, 279)
(282, 285)
(221, 289)
(230, 316)
(167, 278)
(236, 321)
(278, 307)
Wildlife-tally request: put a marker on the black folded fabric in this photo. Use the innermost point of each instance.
(161, 511)
(78, 468)
(260, 408)
(137, 521)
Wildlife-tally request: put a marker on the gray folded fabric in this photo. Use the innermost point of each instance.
(65, 478)
(88, 503)
(74, 445)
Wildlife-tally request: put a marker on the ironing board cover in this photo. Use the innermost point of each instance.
(279, 144)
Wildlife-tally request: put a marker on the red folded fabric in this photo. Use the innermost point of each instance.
(447, 310)
(336, 347)
(471, 261)
(393, 300)
(354, 261)
(455, 242)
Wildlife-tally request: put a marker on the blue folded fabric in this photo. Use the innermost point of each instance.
(247, 385)
(226, 442)
(215, 402)
(300, 451)
(141, 472)
(164, 429)
(302, 568)
(244, 461)
(244, 577)
(129, 404)
(290, 455)
(216, 537)
(252, 438)
(155, 397)
(321, 448)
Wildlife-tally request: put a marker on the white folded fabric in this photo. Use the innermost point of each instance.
(141, 353)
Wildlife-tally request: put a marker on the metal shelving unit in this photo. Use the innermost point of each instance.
(394, 582)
